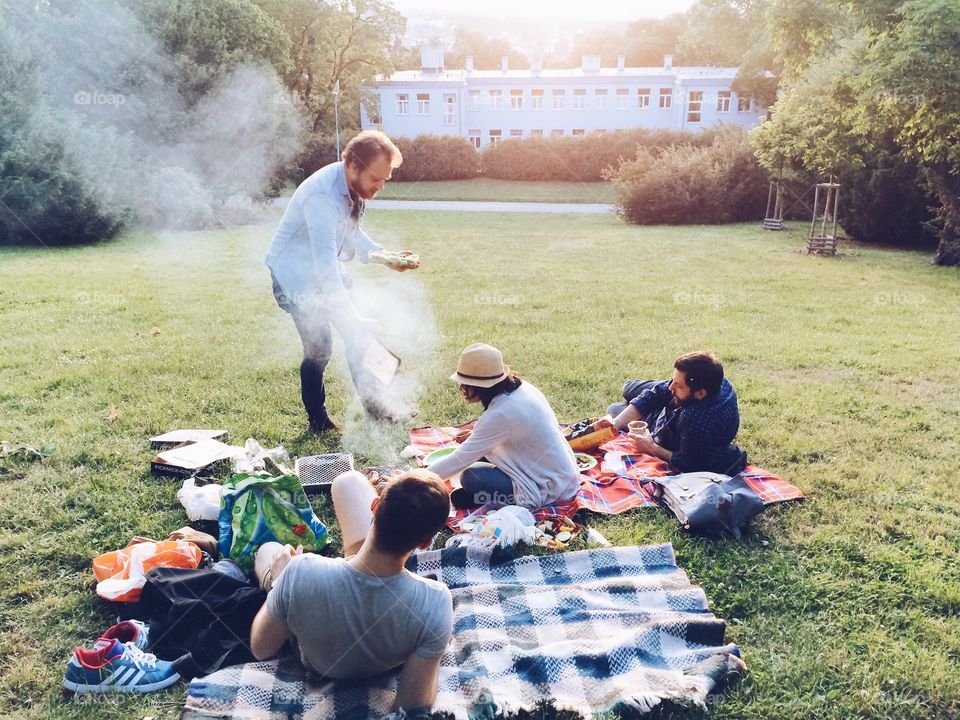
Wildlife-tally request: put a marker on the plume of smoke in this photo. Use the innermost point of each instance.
(135, 140)
(408, 328)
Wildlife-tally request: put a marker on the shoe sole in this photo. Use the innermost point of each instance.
(149, 687)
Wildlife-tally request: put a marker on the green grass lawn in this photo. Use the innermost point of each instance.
(845, 605)
(500, 190)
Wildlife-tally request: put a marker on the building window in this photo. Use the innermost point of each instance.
(623, 98)
(579, 98)
(643, 98)
(558, 99)
(449, 109)
(474, 99)
(475, 139)
(423, 103)
(495, 136)
(495, 97)
(538, 133)
(694, 104)
(516, 133)
(601, 97)
(516, 99)
(723, 101)
(373, 112)
(556, 132)
(536, 99)
(576, 131)
(666, 98)
(743, 104)
(401, 104)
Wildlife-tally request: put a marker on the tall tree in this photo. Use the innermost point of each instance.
(341, 42)
(487, 51)
(870, 83)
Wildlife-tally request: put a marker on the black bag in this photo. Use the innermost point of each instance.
(708, 503)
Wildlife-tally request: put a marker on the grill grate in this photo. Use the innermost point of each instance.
(320, 470)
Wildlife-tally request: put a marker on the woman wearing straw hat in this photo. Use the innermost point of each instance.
(529, 462)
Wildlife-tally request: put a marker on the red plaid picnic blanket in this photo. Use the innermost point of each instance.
(615, 485)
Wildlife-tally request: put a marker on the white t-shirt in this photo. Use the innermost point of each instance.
(519, 434)
(352, 625)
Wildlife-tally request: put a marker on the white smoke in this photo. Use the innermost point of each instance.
(408, 328)
(138, 144)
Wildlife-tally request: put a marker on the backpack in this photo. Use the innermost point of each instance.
(708, 503)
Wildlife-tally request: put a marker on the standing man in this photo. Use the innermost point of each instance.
(319, 232)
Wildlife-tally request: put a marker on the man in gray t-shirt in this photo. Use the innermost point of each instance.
(366, 614)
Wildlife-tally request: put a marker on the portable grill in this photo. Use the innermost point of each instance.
(317, 472)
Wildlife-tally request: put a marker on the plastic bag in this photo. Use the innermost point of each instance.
(121, 573)
(509, 525)
(255, 509)
(201, 502)
(256, 458)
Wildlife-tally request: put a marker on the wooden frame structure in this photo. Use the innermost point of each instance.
(823, 239)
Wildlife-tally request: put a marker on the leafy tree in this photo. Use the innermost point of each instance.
(912, 86)
(872, 93)
(343, 41)
(487, 51)
(209, 38)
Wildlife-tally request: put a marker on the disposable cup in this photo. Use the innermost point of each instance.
(637, 427)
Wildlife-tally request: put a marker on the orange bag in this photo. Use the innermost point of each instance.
(122, 573)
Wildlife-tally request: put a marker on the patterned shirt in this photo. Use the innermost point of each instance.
(700, 432)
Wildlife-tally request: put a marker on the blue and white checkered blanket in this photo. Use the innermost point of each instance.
(589, 631)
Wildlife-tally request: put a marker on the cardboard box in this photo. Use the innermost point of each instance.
(179, 437)
(189, 458)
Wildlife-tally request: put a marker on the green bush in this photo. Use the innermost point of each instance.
(686, 184)
(318, 150)
(45, 200)
(436, 157)
(576, 158)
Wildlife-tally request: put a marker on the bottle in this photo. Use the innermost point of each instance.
(595, 539)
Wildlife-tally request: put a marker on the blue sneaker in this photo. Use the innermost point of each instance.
(117, 667)
(127, 631)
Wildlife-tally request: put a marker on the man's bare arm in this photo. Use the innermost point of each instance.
(267, 635)
(417, 687)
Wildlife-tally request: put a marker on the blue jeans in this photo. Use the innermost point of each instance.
(313, 325)
(482, 483)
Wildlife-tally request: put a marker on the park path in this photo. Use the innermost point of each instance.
(479, 206)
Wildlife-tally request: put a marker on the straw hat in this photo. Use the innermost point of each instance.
(481, 366)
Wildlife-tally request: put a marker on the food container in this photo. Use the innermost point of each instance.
(590, 434)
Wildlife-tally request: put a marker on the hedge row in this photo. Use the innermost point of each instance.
(576, 158)
(572, 158)
(689, 184)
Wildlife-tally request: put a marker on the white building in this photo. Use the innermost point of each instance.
(489, 105)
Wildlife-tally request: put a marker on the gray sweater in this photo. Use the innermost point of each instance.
(519, 434)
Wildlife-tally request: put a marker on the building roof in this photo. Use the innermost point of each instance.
(461, 76)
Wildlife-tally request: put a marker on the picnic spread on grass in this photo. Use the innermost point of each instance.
(587, 626)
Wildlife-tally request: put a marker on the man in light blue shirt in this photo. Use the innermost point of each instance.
(319, 232)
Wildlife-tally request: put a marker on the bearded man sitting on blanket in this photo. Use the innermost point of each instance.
(692, 419)
(365, 614)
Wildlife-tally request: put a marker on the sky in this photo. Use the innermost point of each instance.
(599, 10)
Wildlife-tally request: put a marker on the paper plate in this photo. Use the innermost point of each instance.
(437, 454)
(585, 462)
